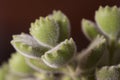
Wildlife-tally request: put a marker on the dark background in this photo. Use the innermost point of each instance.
(16, 16)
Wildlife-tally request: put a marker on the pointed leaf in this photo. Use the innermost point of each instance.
(89, 29)
(89, 57)
(61, 54)
(27, 46)
(108, 73)
(63, 23)
(108, 20)
(45, 31)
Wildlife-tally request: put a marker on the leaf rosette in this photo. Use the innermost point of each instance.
(49, 43)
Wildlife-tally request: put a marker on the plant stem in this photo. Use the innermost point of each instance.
(111, 48)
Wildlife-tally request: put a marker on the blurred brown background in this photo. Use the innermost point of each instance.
(16, 16)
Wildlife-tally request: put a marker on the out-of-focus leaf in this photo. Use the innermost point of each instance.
(89, 57)
(108, 20)
(18, 65)
(40, 66)
(108, 73)
(89, 29)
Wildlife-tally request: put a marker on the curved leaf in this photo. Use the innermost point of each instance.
(45, 31)
(61, 54)
(39, 65)
(108, 73)
(63, 23)
(89, 29)
(108, 20)
(18, 65)
(89, 57)
(27, 46)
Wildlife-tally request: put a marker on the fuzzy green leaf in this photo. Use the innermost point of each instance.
(3, 71)
(108, 73)
(18, 65)
(108, 20)
(63, 23)
(61, 54)
(89, 57)
(45, 31)
(89, 29)
(39, 65)
(27, 46)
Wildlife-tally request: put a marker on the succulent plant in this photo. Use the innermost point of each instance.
(107, 22)
(49, 53)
